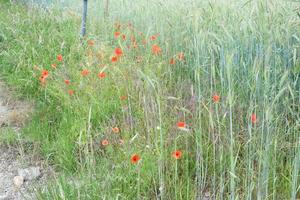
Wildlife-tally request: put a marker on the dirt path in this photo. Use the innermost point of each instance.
(19, 171)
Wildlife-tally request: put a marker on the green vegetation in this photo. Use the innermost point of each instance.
(7, 136)
(234, 87)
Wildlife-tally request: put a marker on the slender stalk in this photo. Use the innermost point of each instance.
(106, 8)
(229, 73)
(199, 163)
(161, 163)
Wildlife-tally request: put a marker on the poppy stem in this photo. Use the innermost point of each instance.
(83, 24)
(176, 172)
(139, 183)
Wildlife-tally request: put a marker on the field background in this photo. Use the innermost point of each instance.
(246, 52)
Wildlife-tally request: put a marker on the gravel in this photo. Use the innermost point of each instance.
(20, 172)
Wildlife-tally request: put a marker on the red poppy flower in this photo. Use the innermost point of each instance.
(123, 37)
(85, 72)
(53, 65)
(114, 59)
(135, 158)
(181, 124)
(156, 49)
(181, 56)
(123, 97)
(71, 92)
(91, 42)
(153, 37)
(105, 142)
(117, 34)
(177, 154)
(172, 61)
(118, 51)
(253, 118)
(67, 82)
(101, 75)
(45, 73)
(59, 58)
(216, 98)
(115, 129)
(43, 80)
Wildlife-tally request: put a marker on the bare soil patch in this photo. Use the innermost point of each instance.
(14, 113)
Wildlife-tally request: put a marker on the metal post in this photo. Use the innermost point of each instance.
(83, 24)
(106, 8)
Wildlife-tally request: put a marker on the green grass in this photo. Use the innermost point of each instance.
(247, 52)
(7, 136)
